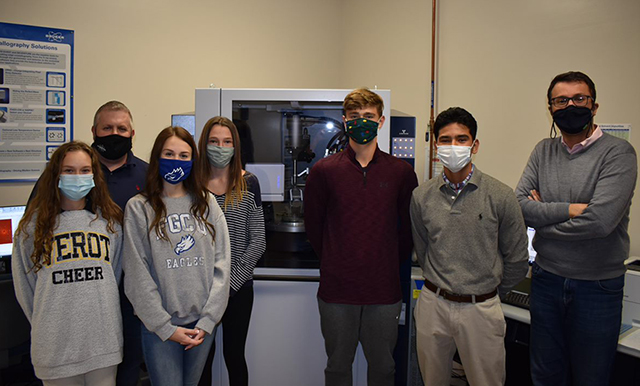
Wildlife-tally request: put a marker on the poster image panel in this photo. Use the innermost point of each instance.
(36, 97)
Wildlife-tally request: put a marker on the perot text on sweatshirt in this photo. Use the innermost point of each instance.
(185, 279)
(73, 303)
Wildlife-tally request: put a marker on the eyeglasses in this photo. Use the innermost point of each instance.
(578, 100)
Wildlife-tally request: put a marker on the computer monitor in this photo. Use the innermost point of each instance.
(9, 218)
(532, 252)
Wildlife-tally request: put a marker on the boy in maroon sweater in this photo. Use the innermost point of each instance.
(357, 220)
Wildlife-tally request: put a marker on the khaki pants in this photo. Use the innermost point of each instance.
(477, 330)
(99, 377)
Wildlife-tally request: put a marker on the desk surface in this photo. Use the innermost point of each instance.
(628, 343)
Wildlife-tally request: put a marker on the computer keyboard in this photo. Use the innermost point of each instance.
(518, 299)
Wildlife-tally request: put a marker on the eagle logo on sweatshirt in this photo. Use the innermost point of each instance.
(187, 242)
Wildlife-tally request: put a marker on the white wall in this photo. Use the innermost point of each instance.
(152, 54)
(495, 58)
(498, 59)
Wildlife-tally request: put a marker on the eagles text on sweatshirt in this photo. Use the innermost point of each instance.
(185, 279)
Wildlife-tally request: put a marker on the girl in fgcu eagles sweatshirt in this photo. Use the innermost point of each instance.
(66, 267)
(177, 259)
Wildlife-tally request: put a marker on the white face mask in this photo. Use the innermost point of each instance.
(453, 157)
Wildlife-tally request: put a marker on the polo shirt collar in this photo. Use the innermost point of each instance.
(128, 163)
(474, 180)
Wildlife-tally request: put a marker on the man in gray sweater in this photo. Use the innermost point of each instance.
(576, 192)
(471, 242)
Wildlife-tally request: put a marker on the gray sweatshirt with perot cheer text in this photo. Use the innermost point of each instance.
(185, 279)
(73, 304)
(593, 245)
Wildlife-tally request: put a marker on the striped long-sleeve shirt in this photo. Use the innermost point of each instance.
(245, 221)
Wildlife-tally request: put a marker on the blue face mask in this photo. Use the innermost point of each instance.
(174, 171)
(75, 186)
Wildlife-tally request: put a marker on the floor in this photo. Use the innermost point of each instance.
(22, 375)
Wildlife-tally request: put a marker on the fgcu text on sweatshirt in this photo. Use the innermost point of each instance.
(176, 282)
(72, 304)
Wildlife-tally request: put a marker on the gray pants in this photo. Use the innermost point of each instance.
(374, 326)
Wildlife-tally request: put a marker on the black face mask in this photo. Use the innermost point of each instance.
(112, 147)
(573, 119)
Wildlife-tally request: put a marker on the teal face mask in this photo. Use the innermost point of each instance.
(362, 130)
(75, 186)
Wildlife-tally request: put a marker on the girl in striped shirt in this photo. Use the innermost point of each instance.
(238, 194)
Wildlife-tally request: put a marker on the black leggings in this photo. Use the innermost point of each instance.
(235, 326)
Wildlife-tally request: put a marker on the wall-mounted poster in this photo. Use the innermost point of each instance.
(36, 97)
(620, 130)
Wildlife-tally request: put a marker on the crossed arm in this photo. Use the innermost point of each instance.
(574, 209)
(574, 221)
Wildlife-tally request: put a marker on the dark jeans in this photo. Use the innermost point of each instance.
(235, 326)
(574, 329)
(375, 326)
(129, 368)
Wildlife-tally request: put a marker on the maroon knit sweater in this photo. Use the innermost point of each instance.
(357, 220)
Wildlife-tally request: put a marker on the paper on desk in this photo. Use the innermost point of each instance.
(632, 340)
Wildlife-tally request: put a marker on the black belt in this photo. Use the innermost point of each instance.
(458, 297)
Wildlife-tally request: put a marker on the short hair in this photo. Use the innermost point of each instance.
(455, 115)
(112, 106)
(572, 77)
(361, 98)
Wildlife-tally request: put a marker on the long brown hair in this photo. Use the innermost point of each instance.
(46, 203)
(237, 184)
(193, 184)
